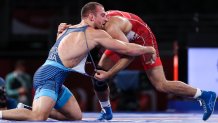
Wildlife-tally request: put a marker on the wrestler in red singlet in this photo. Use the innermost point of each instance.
(140, 34)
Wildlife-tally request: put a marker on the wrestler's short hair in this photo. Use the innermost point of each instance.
(89, 8)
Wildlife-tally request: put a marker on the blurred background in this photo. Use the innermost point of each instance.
(186, 32)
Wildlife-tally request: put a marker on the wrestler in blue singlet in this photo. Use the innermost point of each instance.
(49, 78)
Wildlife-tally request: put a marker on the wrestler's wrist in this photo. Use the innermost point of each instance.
(153, 51)
(110, 73)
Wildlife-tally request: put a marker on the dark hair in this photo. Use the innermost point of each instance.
(89, 8)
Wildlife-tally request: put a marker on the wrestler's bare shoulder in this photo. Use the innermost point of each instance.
(118, 22)
(96, 33)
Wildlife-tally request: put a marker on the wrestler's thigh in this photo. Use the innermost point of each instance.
(156, 75)
(43, 106)
(71, 109)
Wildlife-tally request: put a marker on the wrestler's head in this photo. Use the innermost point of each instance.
(95, 14)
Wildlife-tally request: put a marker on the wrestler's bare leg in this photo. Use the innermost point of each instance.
(40, 111)
(70, 111)
(157, 77)
(103, 96)
(207, 98)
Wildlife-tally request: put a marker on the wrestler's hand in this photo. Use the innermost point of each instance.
(62, 27)
(152, 58)
(101, 75)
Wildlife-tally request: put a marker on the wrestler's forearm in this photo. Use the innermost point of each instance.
(137, 50)
(120, 65)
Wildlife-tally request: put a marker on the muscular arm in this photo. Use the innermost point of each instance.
(116, 28)
(104, 39)
(120, 65)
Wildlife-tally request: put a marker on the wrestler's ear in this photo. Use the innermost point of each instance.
(91, 17)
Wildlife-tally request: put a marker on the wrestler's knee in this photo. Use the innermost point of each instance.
(78, 116)
(100, 86)
(74, 114)
(161, 87)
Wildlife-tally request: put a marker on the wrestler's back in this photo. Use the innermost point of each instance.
(139, 27)
(73, 48)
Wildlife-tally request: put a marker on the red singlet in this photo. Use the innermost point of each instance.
(140, 34)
